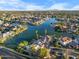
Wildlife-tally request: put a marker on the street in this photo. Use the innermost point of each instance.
(7, 54)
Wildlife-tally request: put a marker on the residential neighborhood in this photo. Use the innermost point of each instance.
(40, 35)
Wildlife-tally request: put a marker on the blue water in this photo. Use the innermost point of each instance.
(30, 33)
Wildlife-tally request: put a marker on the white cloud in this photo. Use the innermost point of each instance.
(34, 7)
(63, 6)
(58, 6)
(9, 4)
(20, 5)
(75, 7)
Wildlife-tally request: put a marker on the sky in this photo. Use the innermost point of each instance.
(39, 5)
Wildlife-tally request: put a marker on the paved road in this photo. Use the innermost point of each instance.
(7, 54)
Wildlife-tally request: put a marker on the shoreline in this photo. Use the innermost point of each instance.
(12, 34)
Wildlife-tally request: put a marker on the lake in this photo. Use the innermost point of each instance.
(30, 33)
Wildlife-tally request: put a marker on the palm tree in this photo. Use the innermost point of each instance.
(45, 31)
(37, 35)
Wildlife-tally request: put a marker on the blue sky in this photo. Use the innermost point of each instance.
(39, 4)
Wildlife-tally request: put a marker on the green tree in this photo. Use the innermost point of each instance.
(33, 48)
(21, 45)
(43, 52)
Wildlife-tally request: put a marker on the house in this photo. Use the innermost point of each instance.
(73, 55)
(72, 44)
(65, 40)
(6, 24)
(1, 22)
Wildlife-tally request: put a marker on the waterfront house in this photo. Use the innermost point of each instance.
(65, 40)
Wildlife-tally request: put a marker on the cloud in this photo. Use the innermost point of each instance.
(34, 7)
(63, 6)
(75, 7)
(20, 5)
(9, 4)
(58, 6)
